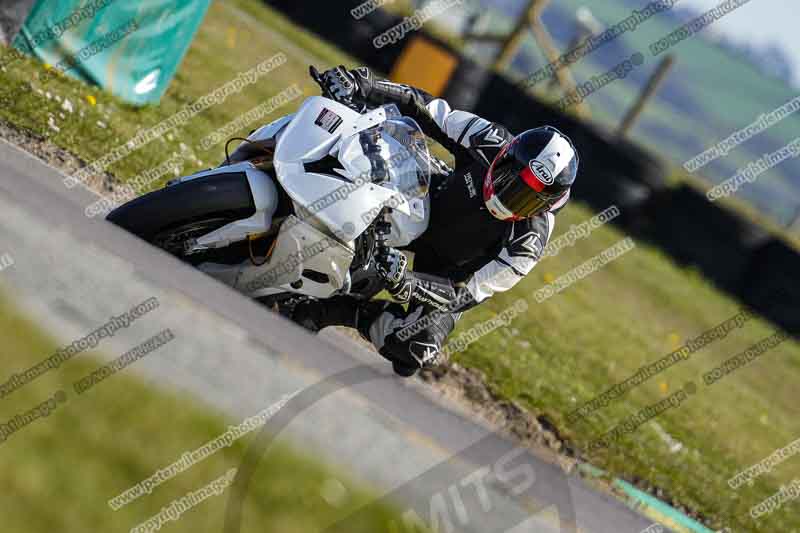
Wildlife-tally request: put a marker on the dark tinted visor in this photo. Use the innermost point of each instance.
(516, 195)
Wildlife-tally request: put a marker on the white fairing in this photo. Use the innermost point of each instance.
(265, 198)
(300, 248)
(335, 201)
(304, 141)
(270, 130)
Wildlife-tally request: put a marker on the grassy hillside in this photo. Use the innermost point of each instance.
(60, 471)
(99, 122)
(562, 352)
(708, 95)
(601, 330)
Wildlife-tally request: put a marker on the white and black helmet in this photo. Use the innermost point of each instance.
(531, 174)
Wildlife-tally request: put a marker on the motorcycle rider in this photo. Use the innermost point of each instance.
(490, 221)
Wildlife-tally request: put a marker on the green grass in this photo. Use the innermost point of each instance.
(236, 36)
(564, 351)
(599, 331)
(59, 472)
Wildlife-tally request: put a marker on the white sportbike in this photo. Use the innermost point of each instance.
(302, 206)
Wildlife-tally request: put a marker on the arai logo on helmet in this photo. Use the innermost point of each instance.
(541, 172)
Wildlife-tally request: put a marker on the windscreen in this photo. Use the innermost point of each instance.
(393, 154)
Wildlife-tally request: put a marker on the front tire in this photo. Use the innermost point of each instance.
(171, 217)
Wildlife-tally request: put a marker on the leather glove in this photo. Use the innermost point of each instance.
(365, 82)
(405, 286)
(391, 265)
(340, 84)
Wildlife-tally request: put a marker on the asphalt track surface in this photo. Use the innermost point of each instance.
(346, 407)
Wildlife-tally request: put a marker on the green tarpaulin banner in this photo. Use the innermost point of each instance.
(132, 49)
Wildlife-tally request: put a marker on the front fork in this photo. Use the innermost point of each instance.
(383, 228)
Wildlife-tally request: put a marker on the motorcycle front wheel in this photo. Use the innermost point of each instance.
(175, 215)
